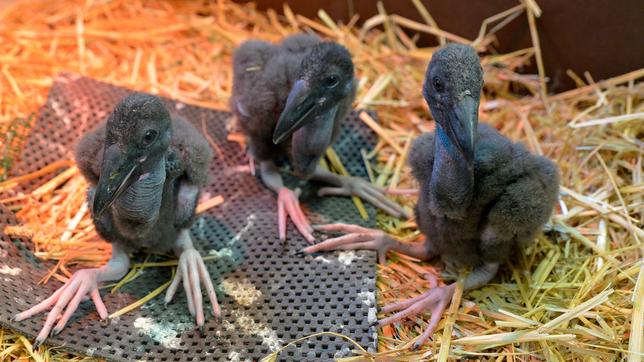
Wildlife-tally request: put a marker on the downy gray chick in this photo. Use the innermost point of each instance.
(145, 171)
(289, 99)
(480, 197)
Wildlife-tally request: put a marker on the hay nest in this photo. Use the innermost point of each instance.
(576, 294)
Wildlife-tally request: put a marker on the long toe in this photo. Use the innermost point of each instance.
(436, 315)
(172, 289)
(403, 304)
(40, 307)
(288, 204)
(281, 220)
(210, 290)
(436, 302)
(414, 309)
(195, 282)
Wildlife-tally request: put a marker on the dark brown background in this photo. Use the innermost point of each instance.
(599, 36)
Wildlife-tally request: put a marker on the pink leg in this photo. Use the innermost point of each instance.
(288, 203)
(355, 186)
(281, 220)
(186, 284)
(67, 298)
(435, 301)
(210, 289)
(358, 237)
(192, 271)
(84, 282)
(251, 164)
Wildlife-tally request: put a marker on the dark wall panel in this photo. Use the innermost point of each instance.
(605, 38)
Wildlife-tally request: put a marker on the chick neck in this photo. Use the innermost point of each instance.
(452, 178)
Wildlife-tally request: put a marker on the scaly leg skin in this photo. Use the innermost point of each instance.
(69, 296)
(436, 301)
(192, 271)
(287, 203)
(361, 238)
(251, 163)
(355, 186)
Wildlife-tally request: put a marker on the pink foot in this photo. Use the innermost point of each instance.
(192, 272)
(435, 301)
(356, 238)
(68, 297)
(251, 164)
(288, 203)
(375, 195)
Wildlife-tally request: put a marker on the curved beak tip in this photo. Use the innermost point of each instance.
(298, 110)
(117, 175)
(462, 126)
(97, 211)
(101, 202)
(277, 138)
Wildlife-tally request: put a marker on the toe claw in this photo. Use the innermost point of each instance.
(373, 324)
(302, 253)
(415, 346)
(18, 317)
(38, 343)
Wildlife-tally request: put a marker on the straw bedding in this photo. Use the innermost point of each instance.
(577, 293)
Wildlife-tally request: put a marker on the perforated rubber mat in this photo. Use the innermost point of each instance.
(268, 295)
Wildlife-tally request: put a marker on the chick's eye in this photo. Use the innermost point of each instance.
(438, 85)
(331, 81)
(149, 137)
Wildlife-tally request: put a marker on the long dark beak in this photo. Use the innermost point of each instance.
(462, 124)
(117, 174)
(301, 107)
